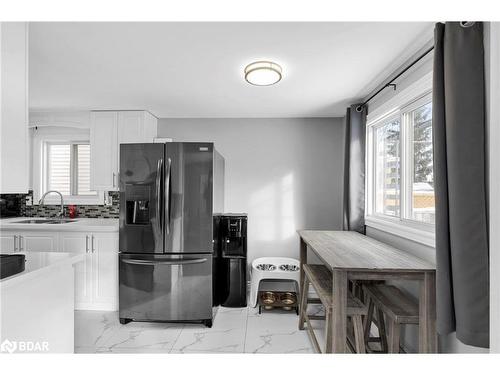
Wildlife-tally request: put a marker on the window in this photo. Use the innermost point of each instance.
(421, 203)
(400, 181)
(387, 168)
(68, 168)
(61, 162)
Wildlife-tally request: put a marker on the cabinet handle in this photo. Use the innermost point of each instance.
(93, 249)
(86, 244)
(21, 245)
(15, 243)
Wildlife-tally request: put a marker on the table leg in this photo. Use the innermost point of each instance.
(427, 314)
(303, 260)
(339, 326)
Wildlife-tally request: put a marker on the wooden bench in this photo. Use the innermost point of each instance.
(398, 308)
(321, 280)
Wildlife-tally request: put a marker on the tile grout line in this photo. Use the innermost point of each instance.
(177, 338)
(246, 330)
(112, 334)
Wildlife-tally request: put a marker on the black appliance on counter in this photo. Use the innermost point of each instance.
(230, 260)
(11, 264)
(10, 205)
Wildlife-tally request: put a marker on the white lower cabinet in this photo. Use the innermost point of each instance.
(105, 271)
(96, 278)
(8, 242)
(78, 242)
(27, 241)
(38, 241)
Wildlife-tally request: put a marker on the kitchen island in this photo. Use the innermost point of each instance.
(37, 305)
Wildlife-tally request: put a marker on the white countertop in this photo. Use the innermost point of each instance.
(38, 263)
(78, 225)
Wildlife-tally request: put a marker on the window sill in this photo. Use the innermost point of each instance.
(405, 229)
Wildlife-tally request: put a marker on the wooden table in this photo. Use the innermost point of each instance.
(353, 256)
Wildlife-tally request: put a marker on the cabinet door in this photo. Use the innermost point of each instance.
(8, 242)
(80, 242)
(14, 108)
(38, 241)
(130, 127)
(150, 127)
(104, 151)
(105, 270)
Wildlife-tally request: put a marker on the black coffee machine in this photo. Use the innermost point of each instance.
(230, 260)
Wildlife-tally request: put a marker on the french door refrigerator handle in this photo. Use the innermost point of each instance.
(158, 194)
(172, 262)
(167, 197)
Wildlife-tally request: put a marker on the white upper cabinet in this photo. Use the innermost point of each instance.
(103, 151)
(131, 126)
(109, 129)
(14, 153)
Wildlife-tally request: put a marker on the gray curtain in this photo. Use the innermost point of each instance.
(354, 169)
(460, 183)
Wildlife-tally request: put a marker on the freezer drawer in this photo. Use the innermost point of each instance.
(166, 287)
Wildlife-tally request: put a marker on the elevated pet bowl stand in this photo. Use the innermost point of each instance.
(276, 273)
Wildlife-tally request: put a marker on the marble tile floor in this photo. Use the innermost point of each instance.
(235, 330)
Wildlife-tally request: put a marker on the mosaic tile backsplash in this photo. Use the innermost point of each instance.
(17, 205)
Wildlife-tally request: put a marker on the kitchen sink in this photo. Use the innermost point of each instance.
(45, 221)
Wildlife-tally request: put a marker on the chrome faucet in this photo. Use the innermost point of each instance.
(61, 212)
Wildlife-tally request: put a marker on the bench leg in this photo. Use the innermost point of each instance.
(303, 302)
(381, 330)
(329, 331)
(394, 334)
(359, 334)
(368, 320)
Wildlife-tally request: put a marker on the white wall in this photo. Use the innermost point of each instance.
(285, 173)
(492, 57)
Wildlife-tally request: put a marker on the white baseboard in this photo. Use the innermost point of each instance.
(96, 306)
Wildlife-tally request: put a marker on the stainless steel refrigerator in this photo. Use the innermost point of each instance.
(168, 194)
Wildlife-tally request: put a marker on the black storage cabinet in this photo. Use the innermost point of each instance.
(230, 263)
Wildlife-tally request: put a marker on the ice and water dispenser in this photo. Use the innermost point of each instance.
(137, 226)
(137, 201)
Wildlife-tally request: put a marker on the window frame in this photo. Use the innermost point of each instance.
(399, 106)
(73, 166)
(39, 174)
(373, 153)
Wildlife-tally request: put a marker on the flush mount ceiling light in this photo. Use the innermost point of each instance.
(263, 73)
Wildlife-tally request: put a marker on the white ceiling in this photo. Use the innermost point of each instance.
(196, 69)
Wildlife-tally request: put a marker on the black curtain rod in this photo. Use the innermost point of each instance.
(359, 108)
